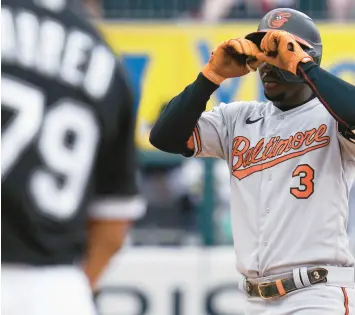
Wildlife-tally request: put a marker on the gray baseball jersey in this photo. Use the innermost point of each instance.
(290, 175)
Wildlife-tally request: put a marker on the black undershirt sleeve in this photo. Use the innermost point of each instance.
(335, 94)
(175, 124)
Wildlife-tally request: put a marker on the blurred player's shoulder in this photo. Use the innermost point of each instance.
(78, 58)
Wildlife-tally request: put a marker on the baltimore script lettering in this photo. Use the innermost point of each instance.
(248, 160)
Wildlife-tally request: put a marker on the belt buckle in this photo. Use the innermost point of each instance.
(263, 285)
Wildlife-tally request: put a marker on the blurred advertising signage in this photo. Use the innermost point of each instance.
(158, 281)
(162, 59)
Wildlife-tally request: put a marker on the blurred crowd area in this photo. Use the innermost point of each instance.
(215, 10)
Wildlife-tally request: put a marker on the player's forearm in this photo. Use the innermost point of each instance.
(335, 94)
(176, 123)
(105, 238)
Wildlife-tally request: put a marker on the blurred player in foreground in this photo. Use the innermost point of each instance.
(291, 161)
(68, 159)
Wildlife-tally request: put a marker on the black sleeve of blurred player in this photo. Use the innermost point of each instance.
(117, 163)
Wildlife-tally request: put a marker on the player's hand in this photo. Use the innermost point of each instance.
(229, 60)
(281, 50)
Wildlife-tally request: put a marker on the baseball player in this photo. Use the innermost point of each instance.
(68, 171)
(291, 162)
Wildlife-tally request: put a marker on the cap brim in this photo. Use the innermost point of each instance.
(256, 38)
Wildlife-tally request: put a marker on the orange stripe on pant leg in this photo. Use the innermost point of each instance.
(280, 287)
(346, 301)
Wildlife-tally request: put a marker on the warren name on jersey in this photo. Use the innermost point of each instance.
(75, 58)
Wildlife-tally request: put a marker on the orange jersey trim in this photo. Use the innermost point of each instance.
(191, 142)
(198, 140)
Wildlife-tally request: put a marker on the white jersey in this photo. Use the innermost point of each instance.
(290, 174)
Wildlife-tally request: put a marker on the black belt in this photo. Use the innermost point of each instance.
(280, 287)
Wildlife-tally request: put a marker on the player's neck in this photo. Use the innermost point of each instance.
(299, 99)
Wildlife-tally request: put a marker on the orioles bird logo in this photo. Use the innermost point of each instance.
(279, 18)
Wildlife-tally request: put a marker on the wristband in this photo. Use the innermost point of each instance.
(211, 75)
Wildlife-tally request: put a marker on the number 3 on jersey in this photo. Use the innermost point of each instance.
(306, 188)
(72, 162)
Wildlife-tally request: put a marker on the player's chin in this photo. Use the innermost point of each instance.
(275, 96)
(274, 91)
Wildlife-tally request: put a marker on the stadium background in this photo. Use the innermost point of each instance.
(179, 258)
